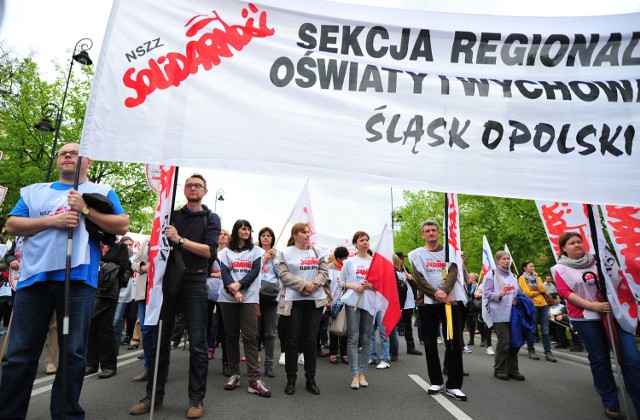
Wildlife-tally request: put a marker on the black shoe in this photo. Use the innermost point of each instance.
(268, 371)
(126, 340)
(90, 370)
(502, 376)
(465, 373)
(140, 357)
(312, 387)
(290, 389)
(107, 373)
(470, 343)
(516, 376)
(483, 343)
(414, 351)
(394, 358)
(225, 369)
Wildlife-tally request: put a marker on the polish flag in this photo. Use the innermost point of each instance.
(382, 275)
(159, 245)
(302, 212)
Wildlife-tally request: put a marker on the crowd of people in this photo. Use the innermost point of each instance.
(226, 287)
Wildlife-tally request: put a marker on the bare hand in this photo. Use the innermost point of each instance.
(601, 307)
(309, 287)
(502, 292)
(75, 201)
(367, 286)
(234, 288)
(172, 233)
(15, 265)
(239, 297)
(441, 295)
(66, 220)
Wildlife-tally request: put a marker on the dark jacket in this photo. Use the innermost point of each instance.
(522, 320)
(115, 271)
(199, 226)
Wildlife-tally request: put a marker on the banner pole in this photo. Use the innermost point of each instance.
(447, 306)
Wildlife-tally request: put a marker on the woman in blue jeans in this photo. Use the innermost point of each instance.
(361, 302)
(575, 276)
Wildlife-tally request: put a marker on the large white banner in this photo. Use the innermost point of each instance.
(543, 108)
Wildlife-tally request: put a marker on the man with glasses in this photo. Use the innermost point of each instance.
(43, 216)
(194, 234)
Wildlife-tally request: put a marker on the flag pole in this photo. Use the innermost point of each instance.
(157, 361)
(64, 357)
(447, 306)
(512, 261)
(290, 215)
(602, 287)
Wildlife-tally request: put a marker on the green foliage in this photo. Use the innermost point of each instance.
(24, 99)
(502, 220)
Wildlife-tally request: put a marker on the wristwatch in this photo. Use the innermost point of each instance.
(181, 241)
(85, 210)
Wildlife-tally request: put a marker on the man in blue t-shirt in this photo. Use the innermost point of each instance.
(43, 216)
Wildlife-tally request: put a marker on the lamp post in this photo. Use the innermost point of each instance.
(219, 197)
(80, 55)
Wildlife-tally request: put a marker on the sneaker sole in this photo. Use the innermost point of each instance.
(253, 391)
(457, 397)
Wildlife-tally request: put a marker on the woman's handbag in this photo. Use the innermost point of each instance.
(548, 298)
(338, 322)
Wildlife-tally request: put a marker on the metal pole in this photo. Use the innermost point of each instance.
(393, 216)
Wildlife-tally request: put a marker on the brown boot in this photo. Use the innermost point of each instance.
(195, 410)
(144, 406)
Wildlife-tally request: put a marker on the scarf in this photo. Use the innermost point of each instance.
(586, 261)
(533, 283)
(338, 265)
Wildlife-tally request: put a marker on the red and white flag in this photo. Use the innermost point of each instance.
(560, 217)
(455, 247)
(488, 262)
(623, 224)
(382, 275)
(302, 212)
(159, 245)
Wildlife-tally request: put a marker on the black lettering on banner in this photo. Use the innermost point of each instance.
(540, 130)
(627, 58)
(492, 126)
(514, 55)
(444, 85)
(530, 94)
(506, 87)
(350, 40)
(392, 80)
(455, 134)
(562, 140)
(371, 122)
(422, 47)
(414, 129)
(382, 33)
(606, 142)
(307, 76)
(486, 47)
(550, 88)
(463, 43)
(612, 88)
(546, 58)
(589, 96)
(469, 86)
(431, 131)
(399, 52)
(519, 135)
(533, 51)
(581, 50)
(305, 34)
(391, 137)
(370, 79)
(609, 53)
(584, 132)
(327, 40)
(417, 81)
(330, 74)
(286, 64)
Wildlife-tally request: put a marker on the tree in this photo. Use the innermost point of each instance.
(503, 220)
(24, 96)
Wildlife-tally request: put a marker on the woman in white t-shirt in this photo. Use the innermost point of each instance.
(362, 305)
(240, 265)
(303, 272)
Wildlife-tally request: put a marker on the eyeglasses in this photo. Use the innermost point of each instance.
(196, 186)
(63, 153)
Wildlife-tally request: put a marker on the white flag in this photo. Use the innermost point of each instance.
(302, 213)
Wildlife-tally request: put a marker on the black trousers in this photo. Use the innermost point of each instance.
(431, 316)
(407, 320)
(101, 348)
(302, 330)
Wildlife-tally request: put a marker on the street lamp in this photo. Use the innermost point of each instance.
(219, 197)
(80, 55)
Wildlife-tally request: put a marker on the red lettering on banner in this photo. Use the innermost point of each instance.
(554, 219)
(625, 224)
(205, 52)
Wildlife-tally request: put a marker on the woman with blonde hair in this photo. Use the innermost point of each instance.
(303, 272)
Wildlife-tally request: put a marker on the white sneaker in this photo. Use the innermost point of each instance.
(435, 389)
(282, 359)
(301, 359)
(490, 350)
(383, 365)
(372, 362)
(466, 349)
(456, 394)
(440, 341)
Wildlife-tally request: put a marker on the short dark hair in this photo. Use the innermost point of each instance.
(341, 252)
(525, 264)
(197, 175)
(126, 238)
(430, 223)
(273, 236)
(358, 235)
(564, 238)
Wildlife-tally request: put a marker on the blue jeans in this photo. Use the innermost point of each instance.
(384, 341)
(34, 306)
(597, 343)
(359, 325)
(541, 317)
(192, 299)
(148, 335)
